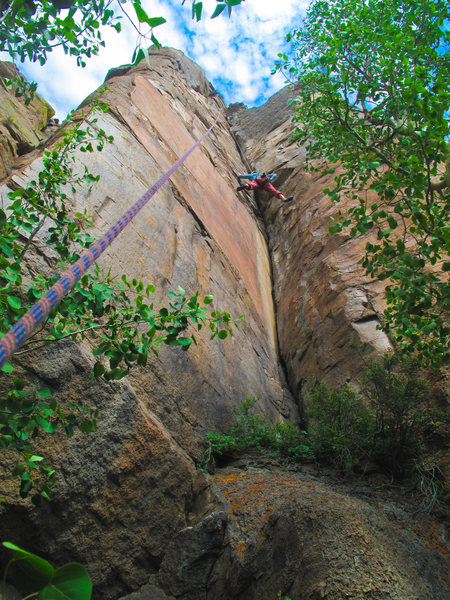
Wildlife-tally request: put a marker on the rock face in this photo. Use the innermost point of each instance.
(22, 128)
(129, 502)
(194, 232)
(324, 302)
(306, 538)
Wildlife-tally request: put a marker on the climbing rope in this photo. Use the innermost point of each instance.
(20, 332)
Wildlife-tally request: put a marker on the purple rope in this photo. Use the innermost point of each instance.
(17, 335)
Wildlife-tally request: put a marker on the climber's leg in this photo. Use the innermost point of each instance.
(268, 187)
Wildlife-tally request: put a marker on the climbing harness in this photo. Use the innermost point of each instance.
(17, 335)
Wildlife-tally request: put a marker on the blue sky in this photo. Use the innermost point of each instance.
(237, 54)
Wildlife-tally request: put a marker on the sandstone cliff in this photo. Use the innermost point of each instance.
(22, 128)
(129, 502)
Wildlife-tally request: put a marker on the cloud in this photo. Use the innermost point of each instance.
(237, 54)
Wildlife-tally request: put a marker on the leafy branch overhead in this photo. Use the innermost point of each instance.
(31, 29)
(374, 101)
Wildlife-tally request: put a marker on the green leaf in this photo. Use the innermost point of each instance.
(155, 21)
(70, 582)
(7, 368)
(14, 303)
(197, 8)
(86, 426)
(47, 426)
(218, 10)
(140, 13)
(208, 299)
(142, 359)
(137, 60)
(19, 469)
(35, 458)
(44, 392)
(28, 572)
(99, 369)
(222, 334)
(147, 60)
(155, 41)
(117, 374)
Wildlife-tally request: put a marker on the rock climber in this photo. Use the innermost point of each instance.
(261, 181)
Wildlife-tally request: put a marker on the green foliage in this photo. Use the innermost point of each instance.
(398, 396)
(387, 422)
(44, 202)
(251, 430)
(27, 413)
(33, 28)
(34, 576)
(374, 96)
(127, 342)
(21, 87)
(197, 8)
(341, 425)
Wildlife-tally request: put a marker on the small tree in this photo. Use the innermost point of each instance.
(341, 425)
(375, 97)
(388, 421)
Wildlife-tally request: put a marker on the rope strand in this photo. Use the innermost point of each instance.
(20, 332)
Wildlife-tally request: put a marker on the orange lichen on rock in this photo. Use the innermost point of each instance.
(254, 497)
(432, 532)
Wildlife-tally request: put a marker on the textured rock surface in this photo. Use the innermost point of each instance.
(22, 128)
(324, 301)
(309, 539)
(305, 537)
(194, 232)
(122, 492)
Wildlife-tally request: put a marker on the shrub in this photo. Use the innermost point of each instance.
(398, 397)
(387, 422)
(251, 430)
(341, 425)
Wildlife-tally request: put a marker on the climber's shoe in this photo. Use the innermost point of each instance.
(288, 198)
(241, 187)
